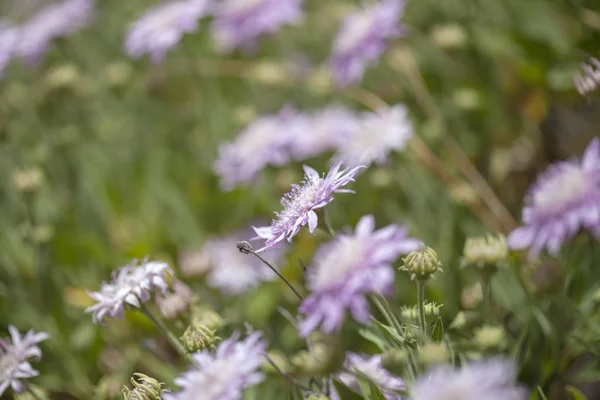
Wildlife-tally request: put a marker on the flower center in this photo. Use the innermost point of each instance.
(566, 188)
(338, 262)
(7, 365)
(298, 202)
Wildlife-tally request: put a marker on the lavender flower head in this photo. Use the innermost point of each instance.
(370, 366)
(13, 358)
(131, 284)
(493, 379)
(162, 27)
(225, 373)
(302, 202)
(564, 199)
(264, 142)
(233, 272)
(8, 42)
(362, 39)
(590, 78)
(379, 134)
(239, 23)
(54, 21)
(348, 269)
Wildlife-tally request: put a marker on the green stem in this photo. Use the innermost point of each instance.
(255, 254)
(385, 308)
(328, 227)
(421, 308)
(286, 376)
(33, 393)
(160, 325)
(487, 298)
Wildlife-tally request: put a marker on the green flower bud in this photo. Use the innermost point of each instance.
(144, 388)
(433, 353)
(394, 360)
(324, 357)
(490, 337)
(421, 264)
(203, 316)
(411, 314)
(196, 338)
(485, 253)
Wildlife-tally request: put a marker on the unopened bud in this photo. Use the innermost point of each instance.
(196, 338)
(394, 360)
(485, 253)
(433, 353)
(421, 264)
(245, 247)
(144, 388)
(411, 314)
(464, 319)
(490, 337)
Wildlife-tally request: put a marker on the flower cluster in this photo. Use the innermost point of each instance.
(349, 268)
(131, 284)
(14, 355)
(356, 139)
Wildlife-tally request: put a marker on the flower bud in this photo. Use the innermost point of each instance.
(324, 358)
(490, 337)
(485, 253)
(394, 360)
(421, 264)
(411, 314)
(433, 353)
(204, 316)
(196, 338)
(144, 388)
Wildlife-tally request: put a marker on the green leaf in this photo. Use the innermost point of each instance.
(575, 393)
(344, 392)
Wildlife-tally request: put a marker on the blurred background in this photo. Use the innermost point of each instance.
(104, 159)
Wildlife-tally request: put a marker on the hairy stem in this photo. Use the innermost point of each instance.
(255, 254)
(421, 308)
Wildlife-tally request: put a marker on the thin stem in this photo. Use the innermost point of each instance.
(421, 308)
(160, 325)
(277, 272)
(286, 376)
(387, 312)
(486, 288)
(33, 393)
(327, 224)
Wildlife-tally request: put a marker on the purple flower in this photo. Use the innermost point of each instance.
(225, 373)
(564, 199)
(8, 42)
(233, 272)
(590, 78)
(326, 129)
(379, 134)
(54, 21)
(131, 284)
(493, 379)
(370, 366)
(264, 142)
(348, 269)
(363, 38)
(239, 23)
(300, 204)
(162, 27)
(13, 358)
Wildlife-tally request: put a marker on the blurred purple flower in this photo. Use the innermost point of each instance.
(348, 269)
(300, 204)
(362, 39)
(233, 272)
(379, 133)
(54, 21)
(8, 42)
(162, 27)
(588, 81)
(492, 379)
(131, 284)
(564, 199)
(225, 373)
(13, 358)
(264, 142)
(371, 367)
(326, 130)
(239, 23)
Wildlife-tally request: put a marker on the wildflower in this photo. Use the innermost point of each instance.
(54, 21)
(8, 42)
(162, 27)
(370, 367)
(234, 272)
(225, 373)
(378, 134)
(264, 142)
(589, 80)
(144, 388)
(363, 38)
(564, 199)
(348, 269)
(14, 353)
(302, 202)
(492, 379)
(422, 263)
(131, 284)
(239, 23)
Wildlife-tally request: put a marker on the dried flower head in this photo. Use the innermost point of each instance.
(587, 81)
(302, 202)
(349, 268)
(144, 388)
(378, 134)
(564, 199)
(162, 27)
(422, 263)
(131, 284)
(239, 23)
(14, 355)
(362, 39)
(492, 379)
(225, 373)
